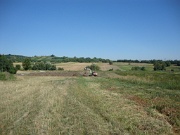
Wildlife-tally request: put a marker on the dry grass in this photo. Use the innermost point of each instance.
(74, 66)
(59, 105)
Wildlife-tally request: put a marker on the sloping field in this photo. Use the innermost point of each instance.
(78, 105)
(74, 66)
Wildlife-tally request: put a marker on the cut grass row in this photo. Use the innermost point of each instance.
(55, 105)
(116, 111)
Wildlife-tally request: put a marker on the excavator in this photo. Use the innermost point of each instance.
(89, 72)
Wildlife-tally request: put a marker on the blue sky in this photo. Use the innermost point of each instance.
(113, 29)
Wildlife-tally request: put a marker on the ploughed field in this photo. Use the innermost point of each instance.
(115, 102)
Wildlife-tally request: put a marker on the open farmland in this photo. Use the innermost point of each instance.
(74, 66)
(116, 102)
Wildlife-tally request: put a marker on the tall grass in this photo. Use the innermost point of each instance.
(6, 76)
(164, 80)
(158, 90)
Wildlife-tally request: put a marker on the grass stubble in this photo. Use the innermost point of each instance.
(74, 105)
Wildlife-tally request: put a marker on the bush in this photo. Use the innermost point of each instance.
(18, 67)
(138, 68)
(143, 68)
(12, 70)
(60, 68)
(6, 76)
(94, 67)
(159, 66)
(43, 66)
(110, 63)
(2, 76)
(6, 65)
(168, 64)
(53, 67)
(26, 64)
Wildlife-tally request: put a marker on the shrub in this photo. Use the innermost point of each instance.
(12, 70)
(168, 64)
(53, 67)
(18, 67)
(43, 66)
(2, 76)
(6, 76)
(94, 67)
(159, 66)
(110, 62)
(143, 68)
(6, 65)
(138, 68)
(60, 68)
(26, 64)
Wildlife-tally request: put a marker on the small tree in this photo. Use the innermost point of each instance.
(26, 64)
(159, 66)
(168, 63)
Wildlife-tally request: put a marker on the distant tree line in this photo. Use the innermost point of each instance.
(54, 59)
(167, 62)
(16, 58)
(75, 59)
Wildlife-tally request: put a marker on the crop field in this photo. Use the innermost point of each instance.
(118, 102)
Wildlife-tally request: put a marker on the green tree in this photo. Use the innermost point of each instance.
(26, 64)
(6, 65)
(159, 65)
(168, 63)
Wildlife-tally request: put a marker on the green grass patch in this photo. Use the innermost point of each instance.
(149, 95)
(6, 76)
(161, 79)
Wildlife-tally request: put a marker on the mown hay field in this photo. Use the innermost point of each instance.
(115, 102)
